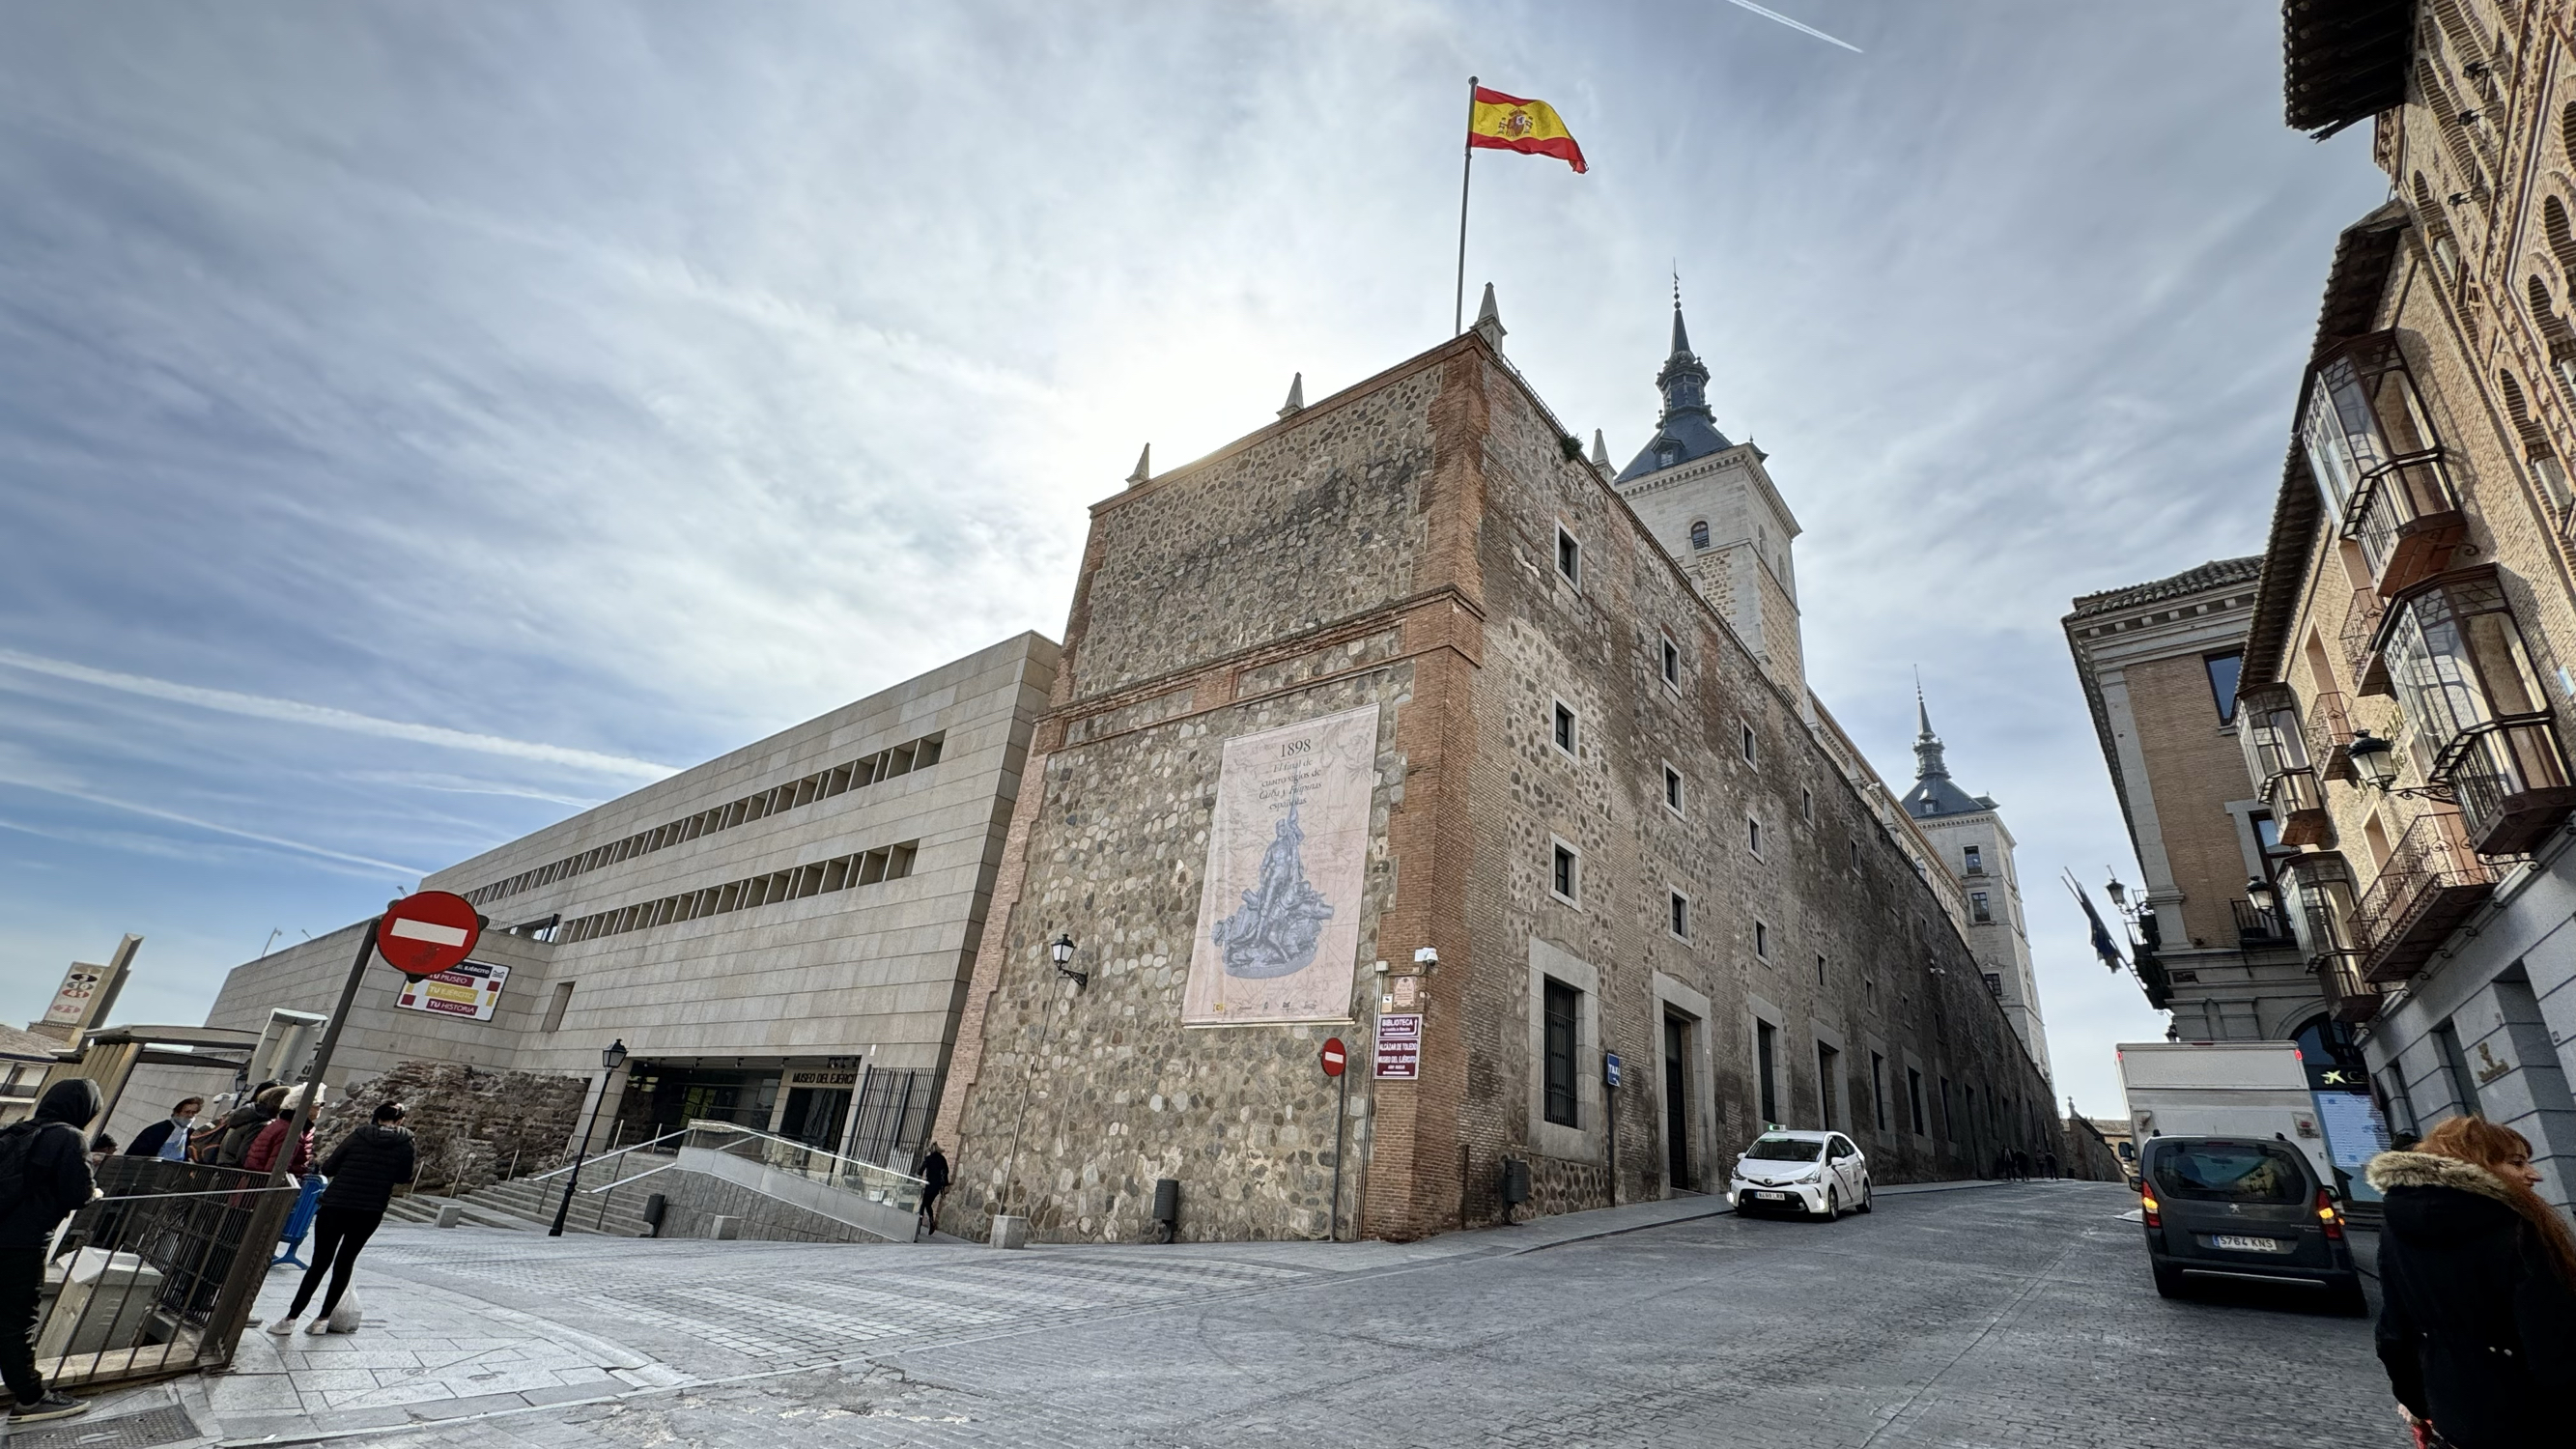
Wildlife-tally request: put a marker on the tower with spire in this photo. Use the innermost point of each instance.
(1967, 833)
(1711, 503)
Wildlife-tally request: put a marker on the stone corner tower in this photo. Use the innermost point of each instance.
(1967, 831)
(1711, 504)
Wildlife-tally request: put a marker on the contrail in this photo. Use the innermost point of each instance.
(1795, 25)
(406, 872)
(324, 717)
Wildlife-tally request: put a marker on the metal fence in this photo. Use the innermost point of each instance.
(156, 1276)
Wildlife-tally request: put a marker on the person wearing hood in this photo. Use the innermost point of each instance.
(241, 1125)
(2477, 1325)
(364, 1171)
(44, 1174)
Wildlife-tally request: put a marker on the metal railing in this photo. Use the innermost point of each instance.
(2350, 997)
(2258, 925)
(2360, 628)
(2513, 768)
(2330, 734)
(596, 1158)
(2431, 870)
(2392, 501)
(156, 1276)
(780, 1154)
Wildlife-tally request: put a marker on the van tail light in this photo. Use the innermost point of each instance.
(2154, 1210)
(2327, 1215)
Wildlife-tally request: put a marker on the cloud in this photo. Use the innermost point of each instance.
(324, 717)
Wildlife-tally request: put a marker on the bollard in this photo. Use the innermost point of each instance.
(1167, 1209)
(724, 1227)
(1010, 1231)
(450, 1214)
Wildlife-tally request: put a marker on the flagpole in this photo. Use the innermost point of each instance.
(1466, 174)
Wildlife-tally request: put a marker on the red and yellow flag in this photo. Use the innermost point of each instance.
(1508, 123)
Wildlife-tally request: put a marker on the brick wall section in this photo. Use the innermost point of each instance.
(1428, 499)
(2197, 768)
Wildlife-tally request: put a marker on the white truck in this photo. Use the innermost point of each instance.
(2256, 1089)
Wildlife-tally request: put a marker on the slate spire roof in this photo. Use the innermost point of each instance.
(1686, 430)
(1934, 793)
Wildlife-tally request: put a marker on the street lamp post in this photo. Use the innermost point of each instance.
(612, 1058)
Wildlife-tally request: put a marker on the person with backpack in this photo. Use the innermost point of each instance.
(241, 1125)
(363, 1172)
(44, 1175)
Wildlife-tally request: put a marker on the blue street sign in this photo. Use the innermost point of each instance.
(1610, 1068)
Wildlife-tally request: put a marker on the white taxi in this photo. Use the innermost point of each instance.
(1818, 1173)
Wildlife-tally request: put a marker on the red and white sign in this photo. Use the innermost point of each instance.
(1399, 1047)
(427, 932)
(1335, 1057)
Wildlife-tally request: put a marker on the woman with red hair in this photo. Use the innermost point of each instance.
(2477, 1324)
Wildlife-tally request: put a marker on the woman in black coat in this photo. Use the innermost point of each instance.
(2478, 1321)
(363, 1172)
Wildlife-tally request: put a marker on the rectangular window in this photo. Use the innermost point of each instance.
(1854, 843)
(1748, 746)
(1806, 804)
(1562, 1002)
(2455, 1065)
(1828, 1066)
(1753, 836)
(1762, 940)
(1977, 911)
(1566, 875)
(1569, 558)
(1672, 663)
(1766, 1046)
(1914, 1098)
(555, 1007)
(1681, 915)
(2222, 683)
(1976, 857)
(1673, 789)
(1995, 984)
(1878, 1089)
(1820, 970)
(1564, 729)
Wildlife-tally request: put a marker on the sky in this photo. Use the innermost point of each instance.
(419, 423)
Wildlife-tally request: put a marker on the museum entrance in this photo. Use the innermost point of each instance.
(818, 1107)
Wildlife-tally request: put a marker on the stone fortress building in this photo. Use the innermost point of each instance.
(1398, 720)
(1967, 835)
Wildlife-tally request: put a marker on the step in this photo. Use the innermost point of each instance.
(539, 1201)
(424, 1208)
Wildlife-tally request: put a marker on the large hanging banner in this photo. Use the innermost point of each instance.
(1279, 915)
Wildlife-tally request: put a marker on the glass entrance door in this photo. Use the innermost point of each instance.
(1677, 1101)
(815, 1116)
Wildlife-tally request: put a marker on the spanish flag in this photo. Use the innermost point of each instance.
(1508, 123)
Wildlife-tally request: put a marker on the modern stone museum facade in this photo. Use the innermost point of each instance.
(1397, 708)
(780, 936)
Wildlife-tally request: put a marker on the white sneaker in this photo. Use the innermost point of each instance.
(318, 1327)
(282, 1327)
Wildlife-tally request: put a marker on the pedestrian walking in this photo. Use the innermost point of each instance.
(2021, 1165)
(2477, 1323)
(934, 1179)
(44, 1174)
(271, 1141)
(241, 1125)
(363, 1172)
(168, 1139)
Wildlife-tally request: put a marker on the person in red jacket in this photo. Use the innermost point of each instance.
(272, 1138)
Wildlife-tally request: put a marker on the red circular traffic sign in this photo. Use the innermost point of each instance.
(426, 932)
(1335, 1056)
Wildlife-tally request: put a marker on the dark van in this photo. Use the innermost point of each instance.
(2228, 1208)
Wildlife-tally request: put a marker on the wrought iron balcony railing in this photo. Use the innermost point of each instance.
(2432, 880)
(2298, 807)
(2259, 925)
(2349, 997)
(2511, 780)
(2330, 735)
(2360, 640)
(2406, 516)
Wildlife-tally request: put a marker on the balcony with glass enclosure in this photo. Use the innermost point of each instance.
(2381, 467)
(2276, 753)
(2318, 895)
(2428, 887)
(2461, 673)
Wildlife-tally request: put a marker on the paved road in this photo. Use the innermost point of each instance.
(1984, 1317)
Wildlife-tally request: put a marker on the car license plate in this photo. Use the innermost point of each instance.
(2249, 1245)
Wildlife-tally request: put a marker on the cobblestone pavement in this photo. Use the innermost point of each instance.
(2004, 1315)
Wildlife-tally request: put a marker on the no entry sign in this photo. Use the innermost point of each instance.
(1335, 1057)
(427, 932)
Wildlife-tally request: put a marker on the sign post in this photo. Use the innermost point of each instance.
(1610, 1100)
(1335, 1058)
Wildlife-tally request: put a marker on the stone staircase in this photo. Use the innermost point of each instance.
(529, 1203)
